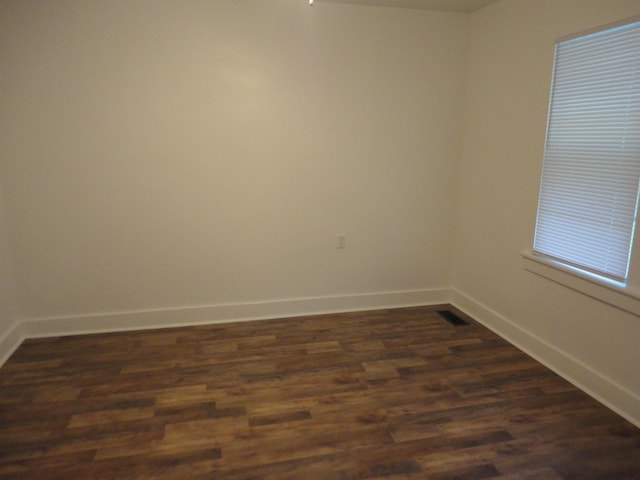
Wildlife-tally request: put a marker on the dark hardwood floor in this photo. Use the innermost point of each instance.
(394, 394)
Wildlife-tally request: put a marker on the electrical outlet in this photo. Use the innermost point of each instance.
(342, 241)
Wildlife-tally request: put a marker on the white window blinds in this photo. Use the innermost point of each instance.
(589, 188)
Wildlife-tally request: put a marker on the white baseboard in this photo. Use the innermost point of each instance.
(10, 342)
(586, 378)
(210, 314)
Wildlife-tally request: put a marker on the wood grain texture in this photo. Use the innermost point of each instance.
(389, 394)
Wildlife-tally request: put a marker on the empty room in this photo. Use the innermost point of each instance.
(327, 239)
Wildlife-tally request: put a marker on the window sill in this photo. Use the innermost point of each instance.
(610, 293)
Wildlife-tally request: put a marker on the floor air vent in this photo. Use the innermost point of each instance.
(452, 318)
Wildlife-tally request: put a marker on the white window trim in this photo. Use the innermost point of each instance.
(612, 293)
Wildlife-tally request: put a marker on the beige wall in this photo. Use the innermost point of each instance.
(168, 154)
(509, 73)
(8, 299)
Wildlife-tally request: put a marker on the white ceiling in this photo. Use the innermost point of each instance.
(466, 6)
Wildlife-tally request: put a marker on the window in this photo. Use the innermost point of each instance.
(588, 199)
(589, 188)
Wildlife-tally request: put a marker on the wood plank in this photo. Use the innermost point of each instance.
(393, 394)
